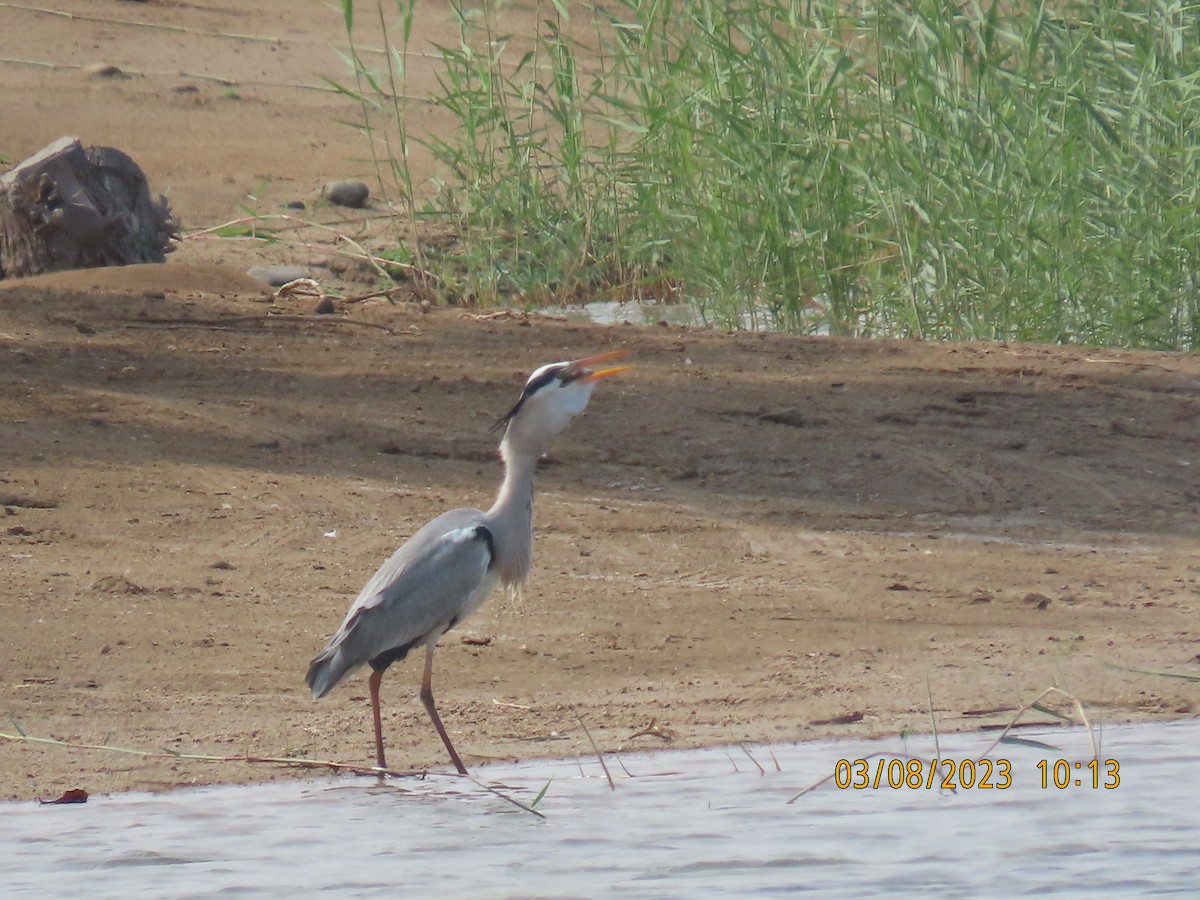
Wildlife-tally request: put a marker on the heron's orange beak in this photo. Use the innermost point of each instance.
(585, 366)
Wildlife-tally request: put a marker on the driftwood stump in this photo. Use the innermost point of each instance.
(70, 208)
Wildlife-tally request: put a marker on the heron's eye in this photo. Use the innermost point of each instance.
(566, 376)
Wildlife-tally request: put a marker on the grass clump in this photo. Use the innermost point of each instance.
(933, 169)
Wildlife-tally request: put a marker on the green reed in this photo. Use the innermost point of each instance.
(936, 169)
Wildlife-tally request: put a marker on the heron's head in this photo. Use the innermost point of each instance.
(553, 395)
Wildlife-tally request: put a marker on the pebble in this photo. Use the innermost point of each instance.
(346, 193)
(103, 70)
(277, 276)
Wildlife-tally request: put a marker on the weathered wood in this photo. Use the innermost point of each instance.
(70, 208)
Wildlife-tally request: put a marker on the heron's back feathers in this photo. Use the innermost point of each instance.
(435, 580)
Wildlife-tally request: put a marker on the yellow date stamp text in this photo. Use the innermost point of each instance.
(970, 774)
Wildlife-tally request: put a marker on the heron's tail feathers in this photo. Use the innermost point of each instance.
(326, 670)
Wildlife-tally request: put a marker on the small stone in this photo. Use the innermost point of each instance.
(1040, 601)
(347, 193)
(296, 204)
(103, 70)
(277, 276)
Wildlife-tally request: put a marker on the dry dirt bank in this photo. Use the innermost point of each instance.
(749, 538)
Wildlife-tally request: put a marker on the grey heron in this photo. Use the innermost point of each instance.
(445, 571)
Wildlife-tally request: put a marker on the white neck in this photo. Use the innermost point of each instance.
(511, 516)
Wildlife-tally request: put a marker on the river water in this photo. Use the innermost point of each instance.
(696, 823)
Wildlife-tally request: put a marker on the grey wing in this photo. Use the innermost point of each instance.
(437, 578)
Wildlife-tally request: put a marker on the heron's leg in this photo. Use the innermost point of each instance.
(376, 678)
(427, 699)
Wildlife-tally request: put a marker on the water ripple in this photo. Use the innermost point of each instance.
(689, 824)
